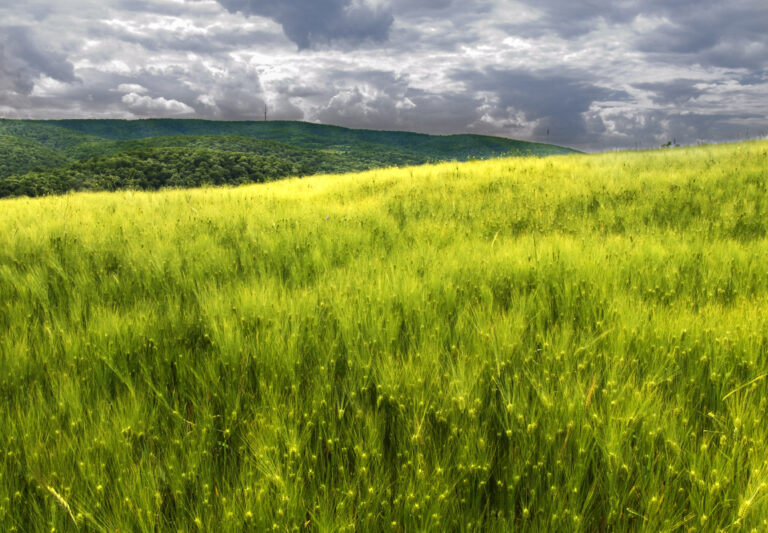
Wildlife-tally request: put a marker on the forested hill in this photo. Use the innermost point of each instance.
(51, 150)
(316, 136)
(152, 169)
(22, 155)
(311, 161)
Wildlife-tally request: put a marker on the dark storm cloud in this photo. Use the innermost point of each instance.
(675, 92)
(459, 11)
(22, 61)
(424, 6)
(571, 18)
(556, 101)
(445, 113)
(159, 7)
(728, 34)
(653, 128)
(754, 78)
(311, 23)
(365, 99)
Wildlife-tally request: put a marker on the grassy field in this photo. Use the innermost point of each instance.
(576, 343)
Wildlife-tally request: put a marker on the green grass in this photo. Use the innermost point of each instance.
(576, 343)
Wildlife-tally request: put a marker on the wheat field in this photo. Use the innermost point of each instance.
(572, 343)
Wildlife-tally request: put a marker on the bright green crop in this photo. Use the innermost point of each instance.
(576, 343)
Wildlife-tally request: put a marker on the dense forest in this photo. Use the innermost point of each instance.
(152, 169)
(53, 157)
(22, 155)
(312, 160)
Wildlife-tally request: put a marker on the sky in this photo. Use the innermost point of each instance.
(594, 75)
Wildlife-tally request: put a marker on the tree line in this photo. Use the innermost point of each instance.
(152, 169)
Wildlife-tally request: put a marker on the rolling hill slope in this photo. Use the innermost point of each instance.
(152, 169)
(62, 140)
(316, 136)
(574, 343)
(18, 156)
(314, 148)
(313, 161)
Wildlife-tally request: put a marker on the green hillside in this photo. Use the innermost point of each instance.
(316, 136)
(18, 156)
(313, 161)
(311, 148)
(152, 169)
(62, 140)
(575, 343)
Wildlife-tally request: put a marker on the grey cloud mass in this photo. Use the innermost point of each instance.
(22, 60)
(316, 22)
(553, 101)
(592, 75)
(675, 92)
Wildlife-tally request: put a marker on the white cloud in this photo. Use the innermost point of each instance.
(131, 88)
(146, 105)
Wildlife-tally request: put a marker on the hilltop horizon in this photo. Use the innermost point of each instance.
(386, 129)
(39, 157)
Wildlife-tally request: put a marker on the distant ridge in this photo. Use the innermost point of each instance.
(70, 154)
(303, 134)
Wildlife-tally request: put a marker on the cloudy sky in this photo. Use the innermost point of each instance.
(595, 74)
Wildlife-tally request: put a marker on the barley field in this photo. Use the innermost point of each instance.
(572, 343)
